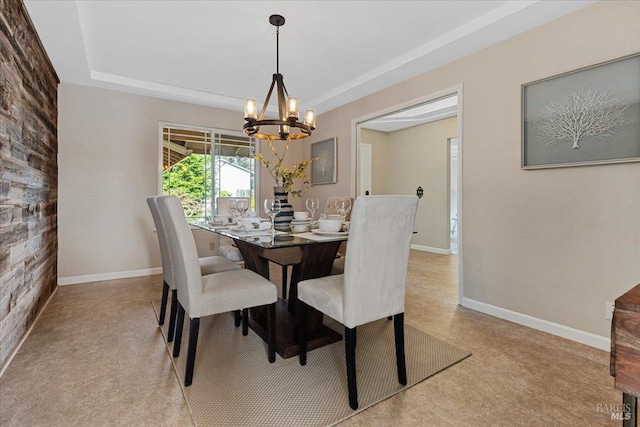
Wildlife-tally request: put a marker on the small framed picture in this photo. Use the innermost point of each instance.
(323, 167)
(584, 117)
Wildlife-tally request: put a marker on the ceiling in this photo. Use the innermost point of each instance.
(217, 53)
(427, 112)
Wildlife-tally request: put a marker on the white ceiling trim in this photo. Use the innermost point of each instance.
(177, 93)
(328, 100)
(428, 48)
(64, 29)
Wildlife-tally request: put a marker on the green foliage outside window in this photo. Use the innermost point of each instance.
(190, 181)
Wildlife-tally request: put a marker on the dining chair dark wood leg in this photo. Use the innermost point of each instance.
(237, 317)
(285, 272)
(271, 332)
(301, 314)
(172, 316)
(245, 322)
(163, 302)
(350, 349)
(398, 328)
(194, 326)
(178, 337)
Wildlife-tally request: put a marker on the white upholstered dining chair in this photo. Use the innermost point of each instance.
(208, 265)
(216, 293)
(222, 206)
(228, 250)
(374, 280)
(284, 258)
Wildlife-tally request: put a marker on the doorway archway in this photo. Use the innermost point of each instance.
(417, 111)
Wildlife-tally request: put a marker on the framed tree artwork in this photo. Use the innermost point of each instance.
(584, 117)
(323, 167)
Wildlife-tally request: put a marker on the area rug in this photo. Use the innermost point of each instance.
(235, 385)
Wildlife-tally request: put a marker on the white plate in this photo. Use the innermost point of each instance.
(330, 233)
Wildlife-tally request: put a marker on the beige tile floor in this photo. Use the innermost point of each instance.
(96, 358)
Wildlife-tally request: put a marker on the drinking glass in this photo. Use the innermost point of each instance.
(343, 207)
(272, 208)
(312, 206)
(242, 206)
(231, 203)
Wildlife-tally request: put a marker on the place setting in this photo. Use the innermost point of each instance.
(332, 225)
(251, 226)
(241, 221)
(238, 209)
(301, 222)
(328, 226)
(327, 229)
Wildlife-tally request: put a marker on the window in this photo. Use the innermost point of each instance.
(200, 164)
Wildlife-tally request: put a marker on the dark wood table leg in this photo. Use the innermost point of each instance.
(317, 260)
(630, 405)
(253, 259)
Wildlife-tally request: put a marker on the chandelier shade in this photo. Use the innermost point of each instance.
(287, 126)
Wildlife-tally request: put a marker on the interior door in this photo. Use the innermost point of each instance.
(364, 169)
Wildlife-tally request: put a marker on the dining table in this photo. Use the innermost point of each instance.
(311, 255)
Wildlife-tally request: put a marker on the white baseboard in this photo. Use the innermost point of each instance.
(74, 280)
(430, 249)
(587, 338)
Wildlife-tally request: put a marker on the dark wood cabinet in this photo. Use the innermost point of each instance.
(625, 352)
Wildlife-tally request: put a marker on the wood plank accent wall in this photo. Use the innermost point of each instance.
(28, 175)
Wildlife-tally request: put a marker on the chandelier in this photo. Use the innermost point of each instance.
(281, 128)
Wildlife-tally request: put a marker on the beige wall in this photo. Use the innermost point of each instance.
(379, 159)
(108, 166)
(554, 244)
(419, 156)
(339, 127)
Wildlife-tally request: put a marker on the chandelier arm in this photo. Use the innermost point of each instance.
(282, 105)
(266, 101)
